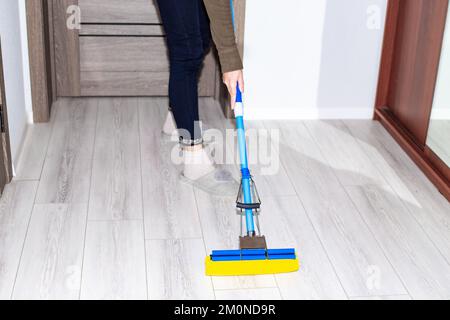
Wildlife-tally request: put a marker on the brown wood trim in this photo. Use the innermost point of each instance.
(411, 50)
(7, 171)
(430, 71)
(438, 163)
(67, 51)
(433, 167)
(51, 48)
(40, 86)
(427, 165)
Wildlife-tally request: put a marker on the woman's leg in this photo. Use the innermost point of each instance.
(184, 23)
(205, 28)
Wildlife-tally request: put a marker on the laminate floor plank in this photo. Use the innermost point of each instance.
(116, 191)
(170, 210)
(249, 294)
(114, 266)
(67, 169)
(264, 157)
(176, 270)
(50, 267)
(349, 243)
(386, 156)
(32, 157)
(285, 224)
(16, 205)
(398, 232)
(419, 264)
(343, 154)
(34, 149)
(419, 195)
(400, 297)
(98, 210)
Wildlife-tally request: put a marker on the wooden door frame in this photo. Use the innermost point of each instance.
(43, 63)
(40, 58)
(7, 169)
(433, 167)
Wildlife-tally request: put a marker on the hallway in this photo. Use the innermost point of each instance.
(97, 211)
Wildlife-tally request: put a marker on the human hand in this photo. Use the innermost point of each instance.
(231, 80)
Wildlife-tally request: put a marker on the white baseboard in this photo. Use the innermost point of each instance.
(441, 114)
(30, 117)
(277, 113)
(16, 157)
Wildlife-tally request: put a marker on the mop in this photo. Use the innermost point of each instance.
(253, 257)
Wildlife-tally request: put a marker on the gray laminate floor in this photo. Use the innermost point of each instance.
(97, 211)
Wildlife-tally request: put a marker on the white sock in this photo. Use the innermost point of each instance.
(169, 125)
(197, 163)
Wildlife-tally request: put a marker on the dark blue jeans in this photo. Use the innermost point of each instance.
(186, 24)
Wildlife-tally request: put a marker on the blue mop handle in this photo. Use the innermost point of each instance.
(246, 177)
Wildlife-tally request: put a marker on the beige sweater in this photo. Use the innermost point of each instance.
(219, 13)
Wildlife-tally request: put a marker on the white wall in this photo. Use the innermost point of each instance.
(441, 104)
(16, 76)
(25, 60)
(309, 59)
